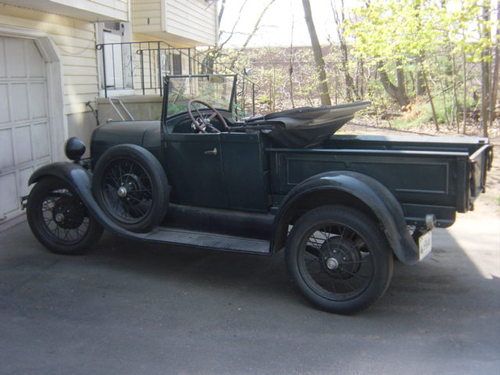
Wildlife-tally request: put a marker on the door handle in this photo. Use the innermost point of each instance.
(211, 152)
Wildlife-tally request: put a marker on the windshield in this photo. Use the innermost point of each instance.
(216, 90)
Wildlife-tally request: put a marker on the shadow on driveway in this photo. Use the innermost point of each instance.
(134, 308)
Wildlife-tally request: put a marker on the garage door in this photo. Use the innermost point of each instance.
(24, 125)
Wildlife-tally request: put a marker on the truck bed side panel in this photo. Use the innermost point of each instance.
(416, 179)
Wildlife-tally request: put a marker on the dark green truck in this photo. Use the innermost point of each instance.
(341, 207)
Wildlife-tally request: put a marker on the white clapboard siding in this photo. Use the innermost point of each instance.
(108, 9)
(146, 16)
(192, 21)
(75, 41)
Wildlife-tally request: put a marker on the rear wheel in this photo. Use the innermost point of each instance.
(339, 259)
(59, 219)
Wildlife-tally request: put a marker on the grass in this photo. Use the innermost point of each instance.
(420, 113)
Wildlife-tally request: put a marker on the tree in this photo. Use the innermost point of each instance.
(318, 55)
(396, 36)
(396, 91)
(485, 66)
(496, 68)
(252, 33)
(339, 17)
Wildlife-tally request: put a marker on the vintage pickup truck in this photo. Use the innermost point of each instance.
(341, 207)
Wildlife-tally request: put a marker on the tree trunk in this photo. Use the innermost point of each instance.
(400, 79)
(464, 108)
(431, 100)
(350, 89)
(398, 92)
(496, 67)
(485, 69)
(419, 84)
(454, 116)
(318, 55)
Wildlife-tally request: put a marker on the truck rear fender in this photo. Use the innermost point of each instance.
(349, 189)
(80, 179)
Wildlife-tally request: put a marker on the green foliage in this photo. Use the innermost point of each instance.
(422, 114)
(397, 31)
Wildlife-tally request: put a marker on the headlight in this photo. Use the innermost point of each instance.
(74, 148)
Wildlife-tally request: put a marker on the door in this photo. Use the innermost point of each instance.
(24, 123)
(113, 60)
(194, 170)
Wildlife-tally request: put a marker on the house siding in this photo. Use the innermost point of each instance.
(75, 41)
(194, 19)
(146, 16)
(116, 9)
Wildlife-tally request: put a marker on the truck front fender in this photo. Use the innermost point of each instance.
(80, 180)
(349, 189)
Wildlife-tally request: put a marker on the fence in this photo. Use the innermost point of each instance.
(139, 67)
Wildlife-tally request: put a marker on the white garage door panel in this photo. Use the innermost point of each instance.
(4, 103)
(38, 105)
(18, 93)
(8, 198)
(24, 126)
(41, 142)
(23, 178)
(15, 56)
(22, 145)
(3, 67)
(6, 153)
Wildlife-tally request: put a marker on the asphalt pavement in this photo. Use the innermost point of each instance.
(130, 308)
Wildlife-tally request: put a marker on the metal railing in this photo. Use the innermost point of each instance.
(139, 67)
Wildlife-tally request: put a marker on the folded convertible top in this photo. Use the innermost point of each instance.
(308, 126)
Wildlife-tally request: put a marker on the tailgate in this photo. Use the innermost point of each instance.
(479, 164)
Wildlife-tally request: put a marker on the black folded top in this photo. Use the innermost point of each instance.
(307, 126)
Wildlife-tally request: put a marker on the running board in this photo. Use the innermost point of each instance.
(214, 241)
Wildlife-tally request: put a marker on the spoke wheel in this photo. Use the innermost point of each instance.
(127, 191)
(335, 261)
(339, 259)
(130, 185)
(59, 219)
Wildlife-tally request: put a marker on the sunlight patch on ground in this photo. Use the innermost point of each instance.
(482, 236)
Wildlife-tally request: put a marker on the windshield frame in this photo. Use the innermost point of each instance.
(167, 79)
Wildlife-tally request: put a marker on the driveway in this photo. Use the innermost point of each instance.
(130, 308)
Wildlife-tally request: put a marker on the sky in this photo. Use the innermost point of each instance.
(276, 26)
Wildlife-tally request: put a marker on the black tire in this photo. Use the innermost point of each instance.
(59, 219)
(130, 185)
(349, 270)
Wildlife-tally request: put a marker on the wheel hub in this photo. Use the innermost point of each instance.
(68, 213)
(122, 192)
(340, 257)
(332, 263)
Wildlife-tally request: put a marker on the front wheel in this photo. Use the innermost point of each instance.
(59, 219)
(130, 185)
(339, 259)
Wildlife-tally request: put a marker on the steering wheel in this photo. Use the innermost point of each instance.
(201, 122)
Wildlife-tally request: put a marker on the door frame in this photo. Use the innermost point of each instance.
(58, 127)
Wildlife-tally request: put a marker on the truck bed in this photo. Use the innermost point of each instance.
(428, 175)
